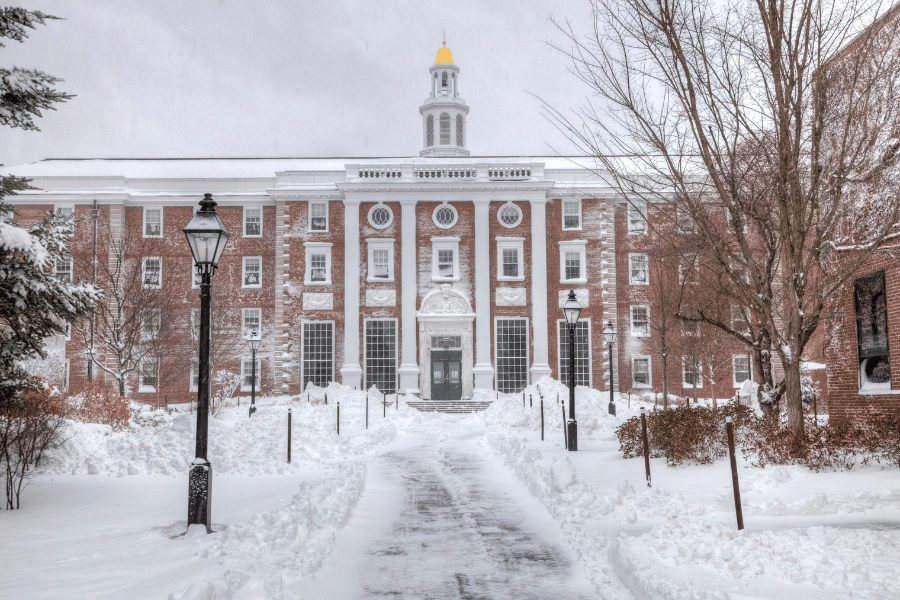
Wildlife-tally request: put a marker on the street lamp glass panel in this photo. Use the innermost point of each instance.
(571, 309)
(206, 234)
(254, 340)
(609, 334)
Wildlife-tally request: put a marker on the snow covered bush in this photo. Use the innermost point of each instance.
(100, 403)
(225, 383)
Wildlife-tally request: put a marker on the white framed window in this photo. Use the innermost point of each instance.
(151, 271)
(68, 333)
(509, 215)
(381, 355)
(196, 278)
(68, 365)
(684, 221)
(62, 269)
(688, 272)
(739, 321)
(317, 353)
(195, 323)
(445, 259)
(691, 372)
(690, 328)
(741, 369)
(251, 274)
(318, 216)
(641, 375)
(247, 373)
(445, 216)
(582, 352)
(153, 222)
(511, 354)
(571, 214)
(572, 259)
(318, 263)
(147, 376)
(251, 319)
(637, 269)
(150, 322)
(253, 221)
(194, 383)
(640, 321)
(511, 259)
(380, 216)
(64, 210)
(381, 260)
(637, 217)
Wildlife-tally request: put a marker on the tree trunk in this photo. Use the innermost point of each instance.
(793, 395)
(665, 382)
(121, 387)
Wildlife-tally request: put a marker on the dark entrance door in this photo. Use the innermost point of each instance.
(446, 374)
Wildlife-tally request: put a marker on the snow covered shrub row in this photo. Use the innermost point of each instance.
(685, 433)
(100, 403)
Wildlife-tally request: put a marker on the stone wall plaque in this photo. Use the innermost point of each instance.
(318, 301)
(505, 296)
(381, 298)
(580, 295)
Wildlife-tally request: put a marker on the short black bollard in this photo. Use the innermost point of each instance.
(523, 399)
(326, 398)
(565, 433)
(367, 410)
(729, 430)
(289, 435)
(339, 417)
(397, 401)
(542, 419)
(530, 401)
(646, 444)
(383, 407)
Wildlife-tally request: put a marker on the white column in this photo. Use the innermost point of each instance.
(540, 365)
(409, 369)
(484, 372)
(351, 373)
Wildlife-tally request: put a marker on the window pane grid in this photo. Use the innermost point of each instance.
(381, 356)
(639, 321)
(512, 355)
(741, 369)
(318, 353)
(582, 354)
(253, 221)
(153, 223)
(317, 270)
(380, 265)
(318, 216)
(445, 263)
(639, 268)
(571, 216)
(510, 262)
(252, 270)
(573, 265)
(152, 268)
(641, 370)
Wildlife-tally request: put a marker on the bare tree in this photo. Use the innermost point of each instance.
(771, 124)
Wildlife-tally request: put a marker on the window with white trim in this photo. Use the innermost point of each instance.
(510, 258)
(67, 367)
(251, 319)
(64, 210)
(691, 372)
(687, 269)
(641, 376)
(739, 322)
(150, 322)
(147, 376)
(381, 260)
(637, 217)
(571, 214)
(318, 216)
(637, 271)
(317, 358)
(690, 328)
(251, 276)
(247, 373)
(194, 383)
(640, 321)
(582, 352)
(684, 221)
(153, 222)
(511, 348)
(572, 261)
(151, 271)
(253, 221)
(445, 259)
(380, 216)
(741, 368)
(509, 215)
(62, 269)
(195, 323)
(318, 263)
(381, 355)
(68, 333)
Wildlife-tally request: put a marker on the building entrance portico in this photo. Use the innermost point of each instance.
(446, 356)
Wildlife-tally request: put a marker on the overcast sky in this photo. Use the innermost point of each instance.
(225, 78)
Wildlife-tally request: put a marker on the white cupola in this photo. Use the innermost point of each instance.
(444, 112)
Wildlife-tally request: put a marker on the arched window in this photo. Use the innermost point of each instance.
(459, 131)
(445, 129)
(444, 79)
(429, 130)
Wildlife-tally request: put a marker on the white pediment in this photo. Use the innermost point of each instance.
(445, 301)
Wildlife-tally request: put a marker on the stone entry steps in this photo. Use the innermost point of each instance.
(449, 406)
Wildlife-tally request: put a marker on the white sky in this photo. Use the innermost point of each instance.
(223, 78)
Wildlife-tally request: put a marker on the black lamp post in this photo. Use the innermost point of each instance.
(207, 237)
(571, 309)
(253, 339)
(609, 334)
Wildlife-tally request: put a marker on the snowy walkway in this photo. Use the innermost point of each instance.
(464, 528)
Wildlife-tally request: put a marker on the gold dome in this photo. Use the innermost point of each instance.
(443, 56)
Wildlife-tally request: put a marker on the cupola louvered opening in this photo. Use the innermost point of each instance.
(459, 130)
(445, 129)
(429, 130)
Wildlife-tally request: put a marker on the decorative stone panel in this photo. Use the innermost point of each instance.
(318, 301)
(381, 298)
(581, 295)
(505, 296)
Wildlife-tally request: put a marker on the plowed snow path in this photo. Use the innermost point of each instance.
(441, 518)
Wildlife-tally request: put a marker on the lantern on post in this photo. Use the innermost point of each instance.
(572, 310)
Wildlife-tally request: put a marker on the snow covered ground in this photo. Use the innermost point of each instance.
(436, 506)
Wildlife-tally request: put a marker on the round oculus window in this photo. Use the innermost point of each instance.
(445, 216)
(509, 215)
(380, 216)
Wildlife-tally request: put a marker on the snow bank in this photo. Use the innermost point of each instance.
(846, 563)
